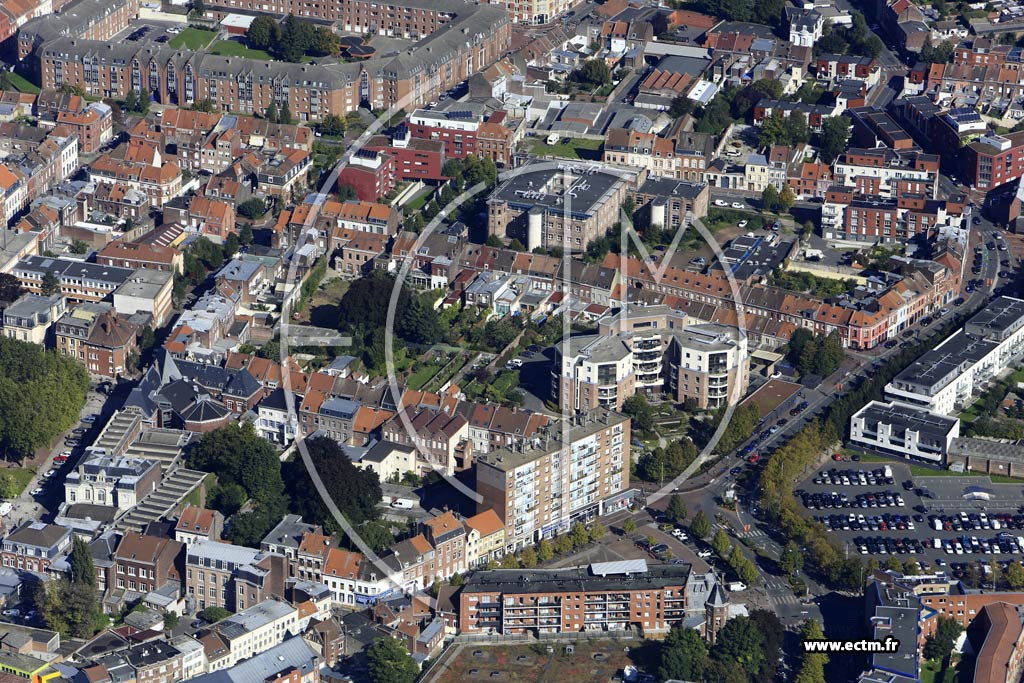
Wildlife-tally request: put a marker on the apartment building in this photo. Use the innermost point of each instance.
(608, 596)
(849, 217)
(465, 133)
(576, 471)
(881, 172)
(34, 546)
(233, 577)
(137, 255)
(99, 337)
(253, 631)
(113, 481)
(146, 291)
(904, 430)
(146, 563)
(565, 208)
(476, 35)
(77, 281)
(707, 365)
(944, 378)
(994, 160)
(31, 317)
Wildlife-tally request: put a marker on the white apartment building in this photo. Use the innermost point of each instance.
(255, 630)
(945, 377)
(903, 430)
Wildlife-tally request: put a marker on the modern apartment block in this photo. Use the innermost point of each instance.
(903, 430)
(575, 470)
(945, 377)
(609, 596)
(703, 363)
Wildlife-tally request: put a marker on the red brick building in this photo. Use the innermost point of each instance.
(371, 174)
(102, 340)
(464, 133)
(994, 160)
(415, 158)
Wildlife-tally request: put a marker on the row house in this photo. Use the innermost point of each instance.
(441, 440)
(628, 147)
(285, 173)
(34, 546)
(814, 113)
(117, 200)
(138, 255)
(78, 281)
(858, 327)
(831, 68)
(493, 426)
(160, 183)
(143, 564)
(233, 577)
(93, 125)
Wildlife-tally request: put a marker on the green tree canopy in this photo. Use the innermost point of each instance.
(355, 491)
(82, 569)
(238, 455)
(390, 662)
(593, 72)
(640, 412)
(700, 526)
(682, 655)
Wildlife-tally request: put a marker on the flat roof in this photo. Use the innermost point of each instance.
(999, 319)
(574, 580)
(938, 367)
(589, 188)
(932, 428)
(771, 395)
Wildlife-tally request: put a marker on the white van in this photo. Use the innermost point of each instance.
(736, 586)
(552, 139)
(6, 508)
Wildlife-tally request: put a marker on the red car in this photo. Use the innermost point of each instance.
(60, 459)
(754, 459)
(837, 456)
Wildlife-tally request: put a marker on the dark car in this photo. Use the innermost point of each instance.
(735, 470)
(891, 344)
(906, 345)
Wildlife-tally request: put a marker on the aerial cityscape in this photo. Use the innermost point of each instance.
(513, 341)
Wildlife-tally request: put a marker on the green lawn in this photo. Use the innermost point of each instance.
(21, 84)
(422, 375)
(192, 38)
(21, 475)
(418, 202)
(589, 150)
(231, 48)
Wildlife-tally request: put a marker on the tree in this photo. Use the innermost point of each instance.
(346, 193)
(835, 131)
(50, 284)
(593, 72)
(272, 114)
(170, 621)
(226, 498)
(263, 33)
(629, 527)
(740, 642)
(237, 454)
(545, 551)
(10, 288)
(131, 101)
(41, 395)
(786, 199)
(82, 570)
(681, 106)
(682, 655)
(390, 662)
(597, 531)
(79, 247)
(792, 559)
(676, 510)
(639, 411)
(231, 245)
(563, 544)
(251, 208)
(578, 535)
(720, 543)
(213, 614)
(354, 490)
(700, 526)
(770, 198)
(198, 7)
(332, 125)
(286, 113)
(142, 104)
(940, 643)
(812, 667)
(70, 608)
(528, 557)
(1015, 575)
(746, 570)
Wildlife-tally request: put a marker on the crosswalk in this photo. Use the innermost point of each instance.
(784, 599)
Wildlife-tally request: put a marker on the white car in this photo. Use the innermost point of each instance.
(89, 419)
(12, 612)
(704, 553)
(742, 224)
(738, 205)
(515, 363)
(174, 30)
(37, 491)
(49, 473)
(719, 202)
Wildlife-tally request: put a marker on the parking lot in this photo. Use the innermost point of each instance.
(881, 509)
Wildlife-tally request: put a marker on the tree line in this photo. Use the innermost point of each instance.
(746, 650)
(293, 40)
